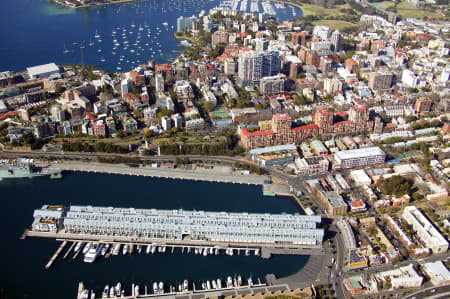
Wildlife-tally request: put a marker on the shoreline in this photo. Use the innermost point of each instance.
(63, 3)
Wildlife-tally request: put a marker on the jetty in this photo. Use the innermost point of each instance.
(55, 256)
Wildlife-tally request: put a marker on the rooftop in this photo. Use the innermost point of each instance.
(359, 153)
(42, 69)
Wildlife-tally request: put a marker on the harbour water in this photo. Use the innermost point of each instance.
(36, 32)
(23, 274)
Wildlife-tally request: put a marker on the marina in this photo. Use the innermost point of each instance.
(134, 31)
(186, 290)
(137, 268)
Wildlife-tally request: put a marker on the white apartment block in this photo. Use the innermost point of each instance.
(359, 157)
(425, 229)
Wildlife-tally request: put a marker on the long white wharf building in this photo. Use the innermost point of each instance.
(194, 225)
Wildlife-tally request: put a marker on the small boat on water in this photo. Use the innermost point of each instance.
(161, 287)
(112, 292)
(96, 34)
(105, 292)
(125, 249)
(214, 284)
(239, 280)
(57, 175)
(139, 248)
(92, 294)
(147, 250)
(247, 252)
(78, 246)
(118, 288)
(250, 281)
(155, 288)
(205, 252)
(219, 283)
(185, 285)
(256, 251)
(216, 252)
(116, 250)
(136, 290)
(66, 51)
(208, 285)
(153, 249)
(86, 248)
(105, 249)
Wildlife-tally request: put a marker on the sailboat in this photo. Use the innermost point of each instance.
(91, 43)
(103, 59)
(96, 34)
(65, 50)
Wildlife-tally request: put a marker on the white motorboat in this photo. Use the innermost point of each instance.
(116, 250)
(247, 252)
(125, 249)
(239, 280)
(118, 288)
(208, 285)
(86, 248)
(185, 285)
(155, 288)
(93, 253)
(105, 249)
(153, 248)
(216, 252)
(205, 252)
(219, 283)
(78, 246)
(136, 290)
(250, 281)
(161, 287)
(105, 292)
(256, 251)
(214, 284)
(147, 250)
(112, 292)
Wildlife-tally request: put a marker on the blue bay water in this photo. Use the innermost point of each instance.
(35, 32)
(22, 261)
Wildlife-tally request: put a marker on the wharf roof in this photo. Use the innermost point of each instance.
(42, 69)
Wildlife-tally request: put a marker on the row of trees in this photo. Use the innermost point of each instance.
(195, 149)
(97, 147)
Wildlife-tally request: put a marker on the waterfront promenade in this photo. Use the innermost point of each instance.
(222, 174)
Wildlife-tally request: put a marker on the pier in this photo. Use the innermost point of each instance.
(266, 249)
(55, 256)
(198, 294)
(233, 177)
(69, 250)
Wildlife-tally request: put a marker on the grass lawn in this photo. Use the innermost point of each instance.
(335, 24)
(408, 10)
(315, 10)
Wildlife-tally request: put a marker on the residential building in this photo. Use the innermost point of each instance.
(426, 231)
(409, 78)
(403, 277)
(272, 84)
(178, 224)
(255, 65)
(359, 157)
(437, 272)
(380, 80)
(311, 166)
(166, 123)
(159, 83)
(336, 40)
(184, 23)
(332, 85)
(219, 37)
(322, 31)
(423, 105)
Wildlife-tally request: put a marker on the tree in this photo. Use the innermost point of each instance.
(148, 133)
(60, 89)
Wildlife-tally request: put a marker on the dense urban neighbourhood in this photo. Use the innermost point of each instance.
(347, 105)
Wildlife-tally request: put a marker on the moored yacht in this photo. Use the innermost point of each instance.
(93, 253)
(105, 292)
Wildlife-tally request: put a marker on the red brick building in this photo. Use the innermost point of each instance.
(283, 133)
